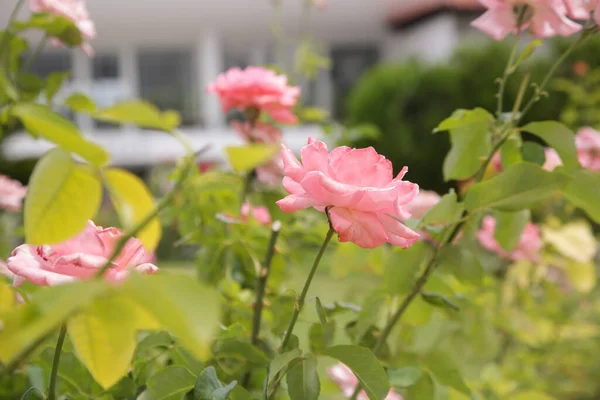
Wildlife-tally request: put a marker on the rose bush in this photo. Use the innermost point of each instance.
(485, 292)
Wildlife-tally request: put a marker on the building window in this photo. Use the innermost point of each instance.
(349, 64)
(107, 87)
(165, 79)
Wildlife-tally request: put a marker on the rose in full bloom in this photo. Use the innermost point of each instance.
(257, 88)
(259, 213)
(79, 258)
(365, 203)
(587, 142)
(271, 172)
(11, 194)
(347, 381)
(73, 10)
(545, 18)
(527, 248)
(422, 203)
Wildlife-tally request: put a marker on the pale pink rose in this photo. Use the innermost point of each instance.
(424, 201)
(365, 202)
(257, 87)
(11, 194)
(259, 213)
(5, 271)
(79, 258)
(271, 172)
(347, 381)
(546, 18)
(75, 11)
(527, 248)
(552, 159)
(496, 162)
(587, 142)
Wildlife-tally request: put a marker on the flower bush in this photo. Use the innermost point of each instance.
(319, 277)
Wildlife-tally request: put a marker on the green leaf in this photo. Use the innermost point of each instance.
(133, 202)
(424, 389)
(530, 395)
(246, 158)
(404, 377)
(139, 113)
(525, 54)
(79, 102)
(365, 366)
(281, 361)
(239, 393)
(510, 152)
(321, 336)
(369, 314)
(61, 198)
(470, 135)
(460, 262)
(574, 240)
(321, 311)
(446, 211)
(583, 192)
(439, 301)
(446, 371)
(6, 86)
(534, 153)
(41, 121)
(54, 82)
(557, 136)
(239, 349)
(208, 386)
(303, 381)
(47, 310)
(509, 227)
(402, 265)
(55, 25)
(104, 339)
(171, 383)
(30, 86)
(187, 308)
(180, 356)
(521, 186)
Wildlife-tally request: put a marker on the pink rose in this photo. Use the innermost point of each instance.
(527, 248)
(496, 162)
(552, 159)
(546, 18)
(587, 142)
(365, 202)
(257, 87)
(271, 172)
(73, 10)
(11, 194)
(5, 271)
(79, 258)
(259, 213)
(424, 201)
(347, 381)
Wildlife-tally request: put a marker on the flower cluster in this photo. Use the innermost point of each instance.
(80, 257)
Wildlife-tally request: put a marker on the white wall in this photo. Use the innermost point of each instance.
(432, 40)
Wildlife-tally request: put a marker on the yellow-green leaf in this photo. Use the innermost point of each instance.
(246, 158)
(104, 339)
(7, 296)
(187, 308)
(574, 240)
(62, 196)
(133, 201)
(81, 103)
(41, 121)
(139, 113)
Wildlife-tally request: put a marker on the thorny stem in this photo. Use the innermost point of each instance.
(56, 362)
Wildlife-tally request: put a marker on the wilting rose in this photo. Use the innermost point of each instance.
(257, 88)
(347, 381)
(11, 194)
(78, 258)
(527, 248)
(365, 202)
(73, 10)
(545, 18)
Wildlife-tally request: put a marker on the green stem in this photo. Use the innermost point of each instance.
(506, 74)
(300, 301)
(165, 201)
(56, 362)
(36, 52)
(13, 16)
(263, 277)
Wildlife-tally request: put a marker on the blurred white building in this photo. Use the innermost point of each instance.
(167, 51)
